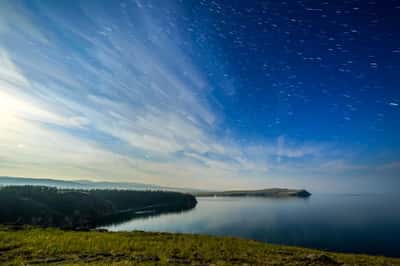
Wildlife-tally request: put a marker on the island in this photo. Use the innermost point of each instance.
(269, 192)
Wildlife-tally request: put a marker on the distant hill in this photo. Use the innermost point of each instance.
(270, 192)
(85, 184)
(88, 184)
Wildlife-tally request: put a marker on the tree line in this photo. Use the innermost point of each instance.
(66, 208)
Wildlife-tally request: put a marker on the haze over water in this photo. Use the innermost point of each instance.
(349, 223)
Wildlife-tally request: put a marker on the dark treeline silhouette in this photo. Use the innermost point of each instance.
(47, 206)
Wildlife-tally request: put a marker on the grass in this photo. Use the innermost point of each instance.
(34, 246)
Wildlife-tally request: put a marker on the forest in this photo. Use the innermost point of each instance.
(74, 209)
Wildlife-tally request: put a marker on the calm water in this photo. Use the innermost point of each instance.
(349, 223)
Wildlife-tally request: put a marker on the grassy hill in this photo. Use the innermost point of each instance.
(28, 246)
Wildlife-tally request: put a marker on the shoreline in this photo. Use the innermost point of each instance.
(32, 245)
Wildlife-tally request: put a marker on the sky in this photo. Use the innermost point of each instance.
(203, 94)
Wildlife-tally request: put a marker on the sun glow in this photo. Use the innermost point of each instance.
(11, 106)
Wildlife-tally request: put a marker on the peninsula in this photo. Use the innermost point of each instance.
(269, 192)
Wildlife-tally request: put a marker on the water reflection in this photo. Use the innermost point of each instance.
(364, 224)
(142, 214)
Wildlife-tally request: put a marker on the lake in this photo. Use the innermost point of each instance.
(346, 223)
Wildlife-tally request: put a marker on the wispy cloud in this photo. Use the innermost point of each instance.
(113, 94)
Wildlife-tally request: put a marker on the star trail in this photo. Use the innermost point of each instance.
(226, 94)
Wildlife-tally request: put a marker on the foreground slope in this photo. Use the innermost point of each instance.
(27, 246)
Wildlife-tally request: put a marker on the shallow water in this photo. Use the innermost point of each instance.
(350, 223)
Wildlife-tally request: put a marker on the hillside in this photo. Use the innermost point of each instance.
(46, 206)
(51, 246)
(271, 192)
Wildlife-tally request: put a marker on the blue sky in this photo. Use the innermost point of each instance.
(202, 94)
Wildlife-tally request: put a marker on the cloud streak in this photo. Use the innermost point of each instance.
(112, 93)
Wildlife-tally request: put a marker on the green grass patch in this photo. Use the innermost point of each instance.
(35, 246)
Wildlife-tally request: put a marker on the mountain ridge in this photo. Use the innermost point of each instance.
(86, 184)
